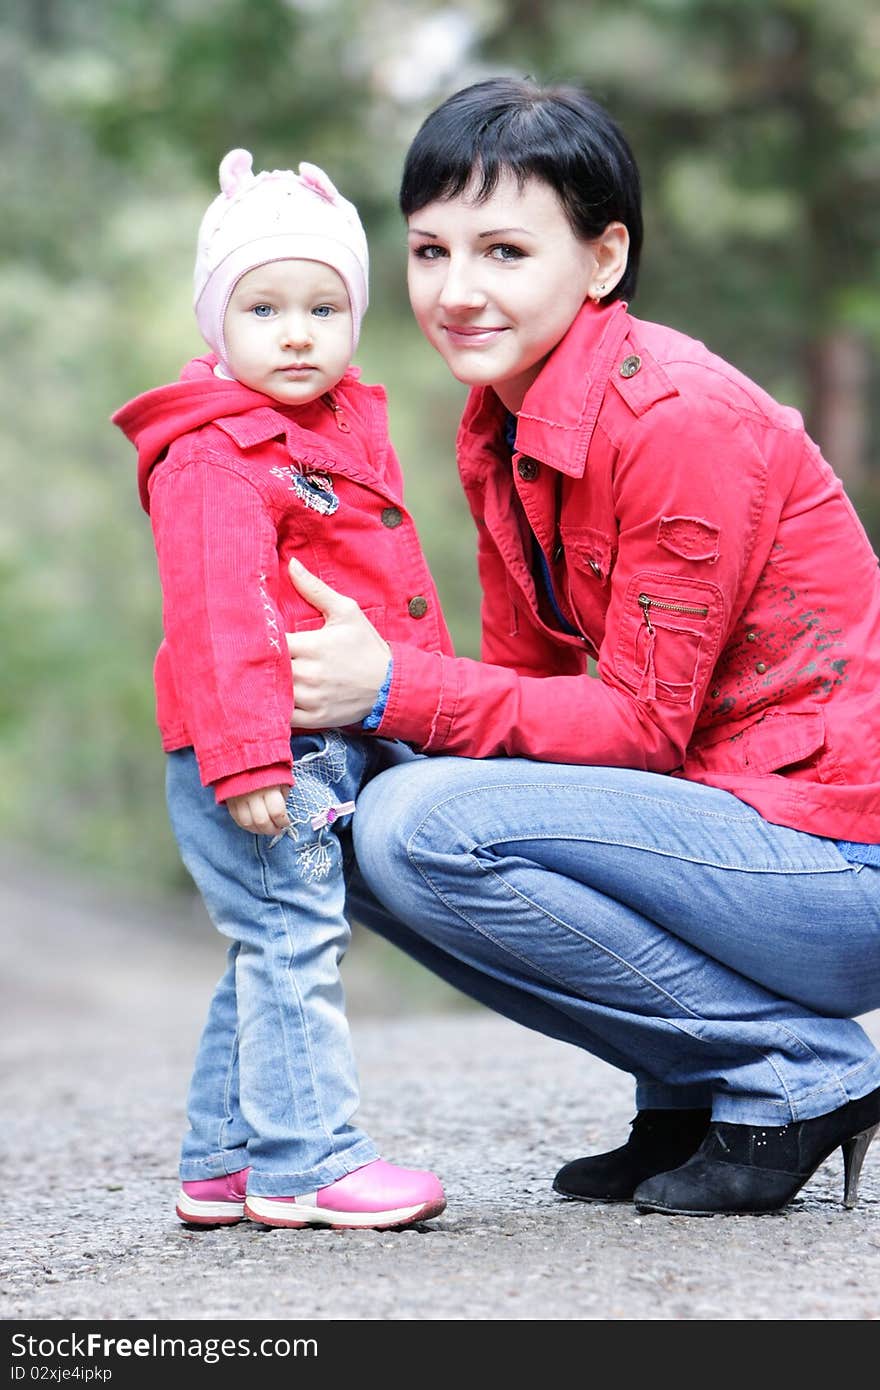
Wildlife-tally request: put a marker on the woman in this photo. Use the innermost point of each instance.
(675, 866)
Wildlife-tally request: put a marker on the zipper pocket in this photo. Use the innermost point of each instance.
(648, 601)
(648, 682)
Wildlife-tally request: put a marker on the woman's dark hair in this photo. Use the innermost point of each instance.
(557, 134)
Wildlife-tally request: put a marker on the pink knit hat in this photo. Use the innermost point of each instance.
(274, 216)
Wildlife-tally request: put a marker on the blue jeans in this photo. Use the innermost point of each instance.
(274, 1084)
(662, 925)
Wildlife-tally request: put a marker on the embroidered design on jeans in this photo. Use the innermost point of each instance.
(311, 805)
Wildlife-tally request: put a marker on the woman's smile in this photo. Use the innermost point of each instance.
(471, 337)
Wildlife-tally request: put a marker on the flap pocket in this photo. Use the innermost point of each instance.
(773, 742)
(782, 738)
(588, 549)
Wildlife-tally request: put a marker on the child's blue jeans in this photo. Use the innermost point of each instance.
(274, 1085)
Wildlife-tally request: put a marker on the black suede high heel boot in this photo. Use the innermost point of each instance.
(660, 1139)
(753, 1168)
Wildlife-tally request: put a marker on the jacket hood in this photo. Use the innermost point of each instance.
(154, 420)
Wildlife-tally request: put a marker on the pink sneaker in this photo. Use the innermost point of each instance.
(213, 1201)
(372, 1197)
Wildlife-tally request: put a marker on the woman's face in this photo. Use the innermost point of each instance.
(495, 285)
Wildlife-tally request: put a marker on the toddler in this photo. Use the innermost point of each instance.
(269, 448)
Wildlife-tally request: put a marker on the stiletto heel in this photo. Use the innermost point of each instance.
(854, 1151)
(752, 1168)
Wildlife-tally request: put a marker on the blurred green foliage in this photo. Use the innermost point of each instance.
(757, 128)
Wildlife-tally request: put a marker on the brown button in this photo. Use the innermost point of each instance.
(630, 365)
(417, 606)
(716, 692)
(528, 469)
(751, 636)
(391, 516)
(761, 667)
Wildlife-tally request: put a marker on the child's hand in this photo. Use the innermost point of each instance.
(263, 812)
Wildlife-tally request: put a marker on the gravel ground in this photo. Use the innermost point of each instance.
(103, 1004)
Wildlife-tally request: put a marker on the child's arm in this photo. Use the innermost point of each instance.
(216, 546)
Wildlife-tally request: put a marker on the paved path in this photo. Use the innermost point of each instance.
(102, 1005)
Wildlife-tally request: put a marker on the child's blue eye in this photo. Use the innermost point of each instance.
(323, 311)
(262, 311)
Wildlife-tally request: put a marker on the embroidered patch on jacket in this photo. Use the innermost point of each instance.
(314, 489)
(689, 537)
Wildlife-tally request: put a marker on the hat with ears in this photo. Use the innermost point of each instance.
(276, 215)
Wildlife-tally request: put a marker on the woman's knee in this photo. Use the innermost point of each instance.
(393, 809)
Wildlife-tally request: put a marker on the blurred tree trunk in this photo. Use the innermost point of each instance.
(837, 417)
(835, 356)
(43, 22)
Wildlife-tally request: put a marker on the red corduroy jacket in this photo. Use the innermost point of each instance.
(235, 485)
(710, 562)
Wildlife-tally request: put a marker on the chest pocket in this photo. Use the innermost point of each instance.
(589, 560)
(668, 636)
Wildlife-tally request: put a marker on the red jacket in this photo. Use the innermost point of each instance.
(235, 485)
(711, 563)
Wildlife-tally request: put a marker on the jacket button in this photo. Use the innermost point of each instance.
(761, 667)
(417, 607)
(558, 553)
(391, 516)
(597, 569)
(716, 692)
(630, 365)
(751, 636)
(528, 469)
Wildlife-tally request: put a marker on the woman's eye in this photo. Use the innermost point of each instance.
(504, 252)
(262, 311)
(428, 252)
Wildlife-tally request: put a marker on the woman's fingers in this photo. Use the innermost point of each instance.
(333, 605)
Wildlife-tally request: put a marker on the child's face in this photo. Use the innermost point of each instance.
(495, 285)
(288, 330)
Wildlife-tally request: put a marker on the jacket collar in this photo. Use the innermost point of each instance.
(559, 413)
(312, 440)
(255, 427)
(311, 433)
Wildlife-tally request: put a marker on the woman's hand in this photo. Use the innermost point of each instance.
(339, 668)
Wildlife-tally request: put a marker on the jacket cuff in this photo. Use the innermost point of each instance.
(254, 780)
(374, 718)
(422, 699)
